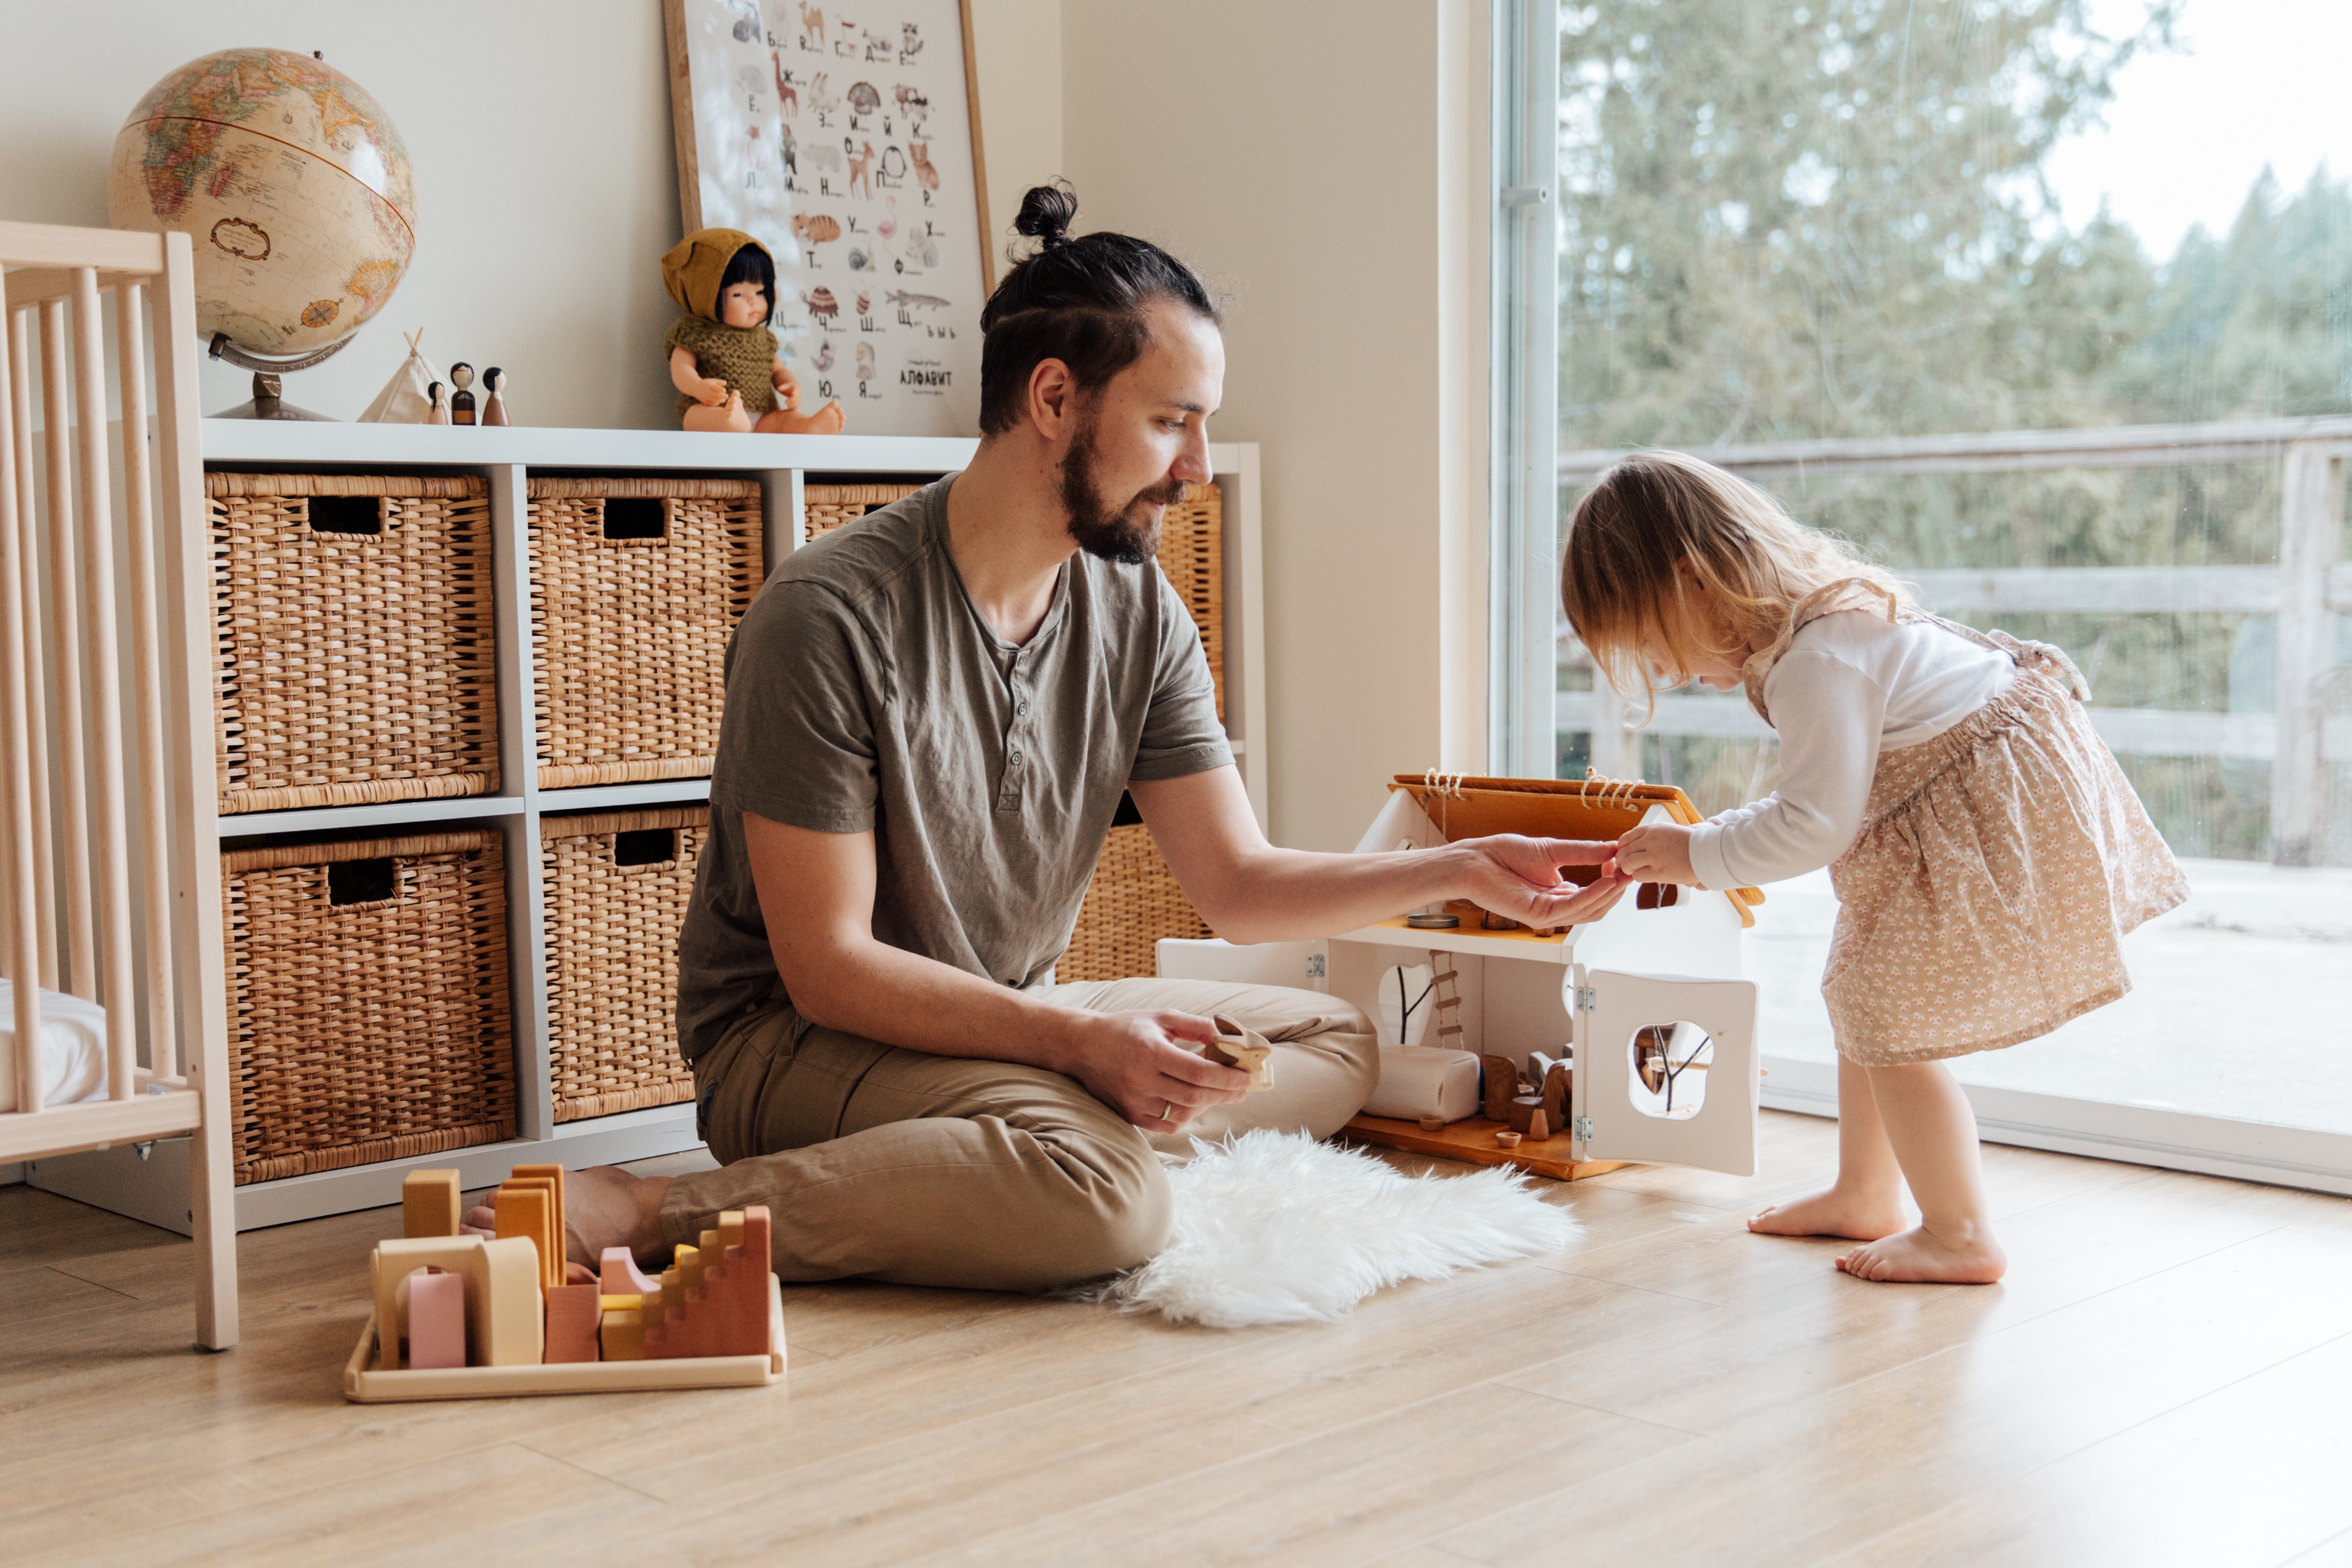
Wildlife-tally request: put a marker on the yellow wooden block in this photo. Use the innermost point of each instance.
(623, 1336)
(620, 1303)
(527, 1210)
(503, 1325)
(553, 1174)
(430, 1203)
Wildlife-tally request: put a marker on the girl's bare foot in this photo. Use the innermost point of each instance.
(603, 1206)
(1920, 1255)
(1835, 1211)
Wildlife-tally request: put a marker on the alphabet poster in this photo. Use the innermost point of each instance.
(845, 140)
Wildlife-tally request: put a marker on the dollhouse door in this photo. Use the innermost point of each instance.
(1665, 1069)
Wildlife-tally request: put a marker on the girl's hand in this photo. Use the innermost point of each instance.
(1659, 852)
(715, 392)
(787, 384)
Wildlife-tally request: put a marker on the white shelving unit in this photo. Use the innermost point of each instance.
(149, 1182)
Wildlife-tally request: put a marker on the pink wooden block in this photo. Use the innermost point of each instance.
(436, 1321)
(572, 1317)
(621, 1276)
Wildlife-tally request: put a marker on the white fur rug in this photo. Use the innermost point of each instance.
(1274, 1228)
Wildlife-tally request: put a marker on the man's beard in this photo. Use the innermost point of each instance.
(1129, 534)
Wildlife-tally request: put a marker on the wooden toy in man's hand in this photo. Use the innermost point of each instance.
(723, 360)
(1236, 1047)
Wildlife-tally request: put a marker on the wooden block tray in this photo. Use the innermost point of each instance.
(364, 1385)
(1474, 1141)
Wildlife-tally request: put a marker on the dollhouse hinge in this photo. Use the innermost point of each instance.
(1583, 1129)
(1314, 966)
(1585, 1000)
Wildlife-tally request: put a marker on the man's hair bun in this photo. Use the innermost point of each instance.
(1047, 212)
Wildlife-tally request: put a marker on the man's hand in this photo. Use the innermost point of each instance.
(1519, 878)
(1659, 852)
(1137, 1064)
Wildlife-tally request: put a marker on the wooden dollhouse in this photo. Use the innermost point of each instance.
(1645, 1008)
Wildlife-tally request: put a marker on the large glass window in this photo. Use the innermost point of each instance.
(2047, 304)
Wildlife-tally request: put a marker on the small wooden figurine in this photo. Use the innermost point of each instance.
(436, 410)
(494, 407)
(1502, 1084)
(723, 360)
(1244, 1048)
(461, 402)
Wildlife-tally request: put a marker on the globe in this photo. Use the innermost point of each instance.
(293, 187)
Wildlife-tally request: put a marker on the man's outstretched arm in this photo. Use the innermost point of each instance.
(1249, 890)
(817, 895)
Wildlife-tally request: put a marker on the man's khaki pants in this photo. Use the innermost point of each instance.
(887, 1163)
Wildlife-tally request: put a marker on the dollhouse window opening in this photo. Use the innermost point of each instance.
(1658, 1068)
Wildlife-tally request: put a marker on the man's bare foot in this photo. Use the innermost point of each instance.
(603, 1206)
(1835, 1211)
(1920, 1255)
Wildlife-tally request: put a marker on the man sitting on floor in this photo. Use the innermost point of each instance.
(932, 715)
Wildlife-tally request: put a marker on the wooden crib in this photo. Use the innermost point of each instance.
(109, 878)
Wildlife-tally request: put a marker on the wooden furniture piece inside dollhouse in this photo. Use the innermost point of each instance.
(1637, 1026)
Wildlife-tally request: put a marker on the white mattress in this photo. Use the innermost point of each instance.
(73, 1048)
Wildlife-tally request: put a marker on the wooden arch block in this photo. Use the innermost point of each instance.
(503, 1327)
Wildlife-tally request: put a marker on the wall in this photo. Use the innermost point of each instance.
(539, 130)
(1318, 163)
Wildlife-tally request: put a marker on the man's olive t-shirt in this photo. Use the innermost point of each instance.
(865, 690)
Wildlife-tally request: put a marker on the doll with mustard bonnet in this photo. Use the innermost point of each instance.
(722, 357)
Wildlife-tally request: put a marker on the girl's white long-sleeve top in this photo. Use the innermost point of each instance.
(1851, 685)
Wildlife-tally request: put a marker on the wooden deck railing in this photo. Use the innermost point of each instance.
(2307, 587)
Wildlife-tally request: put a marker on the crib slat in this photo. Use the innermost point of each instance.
(110, 838)
(17, 722)
(189, 707)
(37, 742)
(64, 634)
(154, 825)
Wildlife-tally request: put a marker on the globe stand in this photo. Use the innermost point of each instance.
(267, 402)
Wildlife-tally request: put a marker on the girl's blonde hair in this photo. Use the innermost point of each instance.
(1657, 511)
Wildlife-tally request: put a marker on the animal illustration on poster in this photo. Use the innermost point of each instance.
(848, 144)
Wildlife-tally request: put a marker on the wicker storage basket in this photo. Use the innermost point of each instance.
(617, 887)
(631, 607)
(1132, 902)
(825, 508)
(355, 627)
(367, 997)
(1191, 550)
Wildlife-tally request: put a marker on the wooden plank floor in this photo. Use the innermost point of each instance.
(2166, 1378)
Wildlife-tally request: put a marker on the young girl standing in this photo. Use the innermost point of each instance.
(1987, 853)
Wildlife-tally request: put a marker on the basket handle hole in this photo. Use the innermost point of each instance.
(644, 846)
(361, 881)
(635, 517)
(347, 514)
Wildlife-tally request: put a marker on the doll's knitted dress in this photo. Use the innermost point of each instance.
(740, 356)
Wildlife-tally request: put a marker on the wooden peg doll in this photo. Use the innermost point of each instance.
(494, 406)
(461, 402)
(436, 410)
